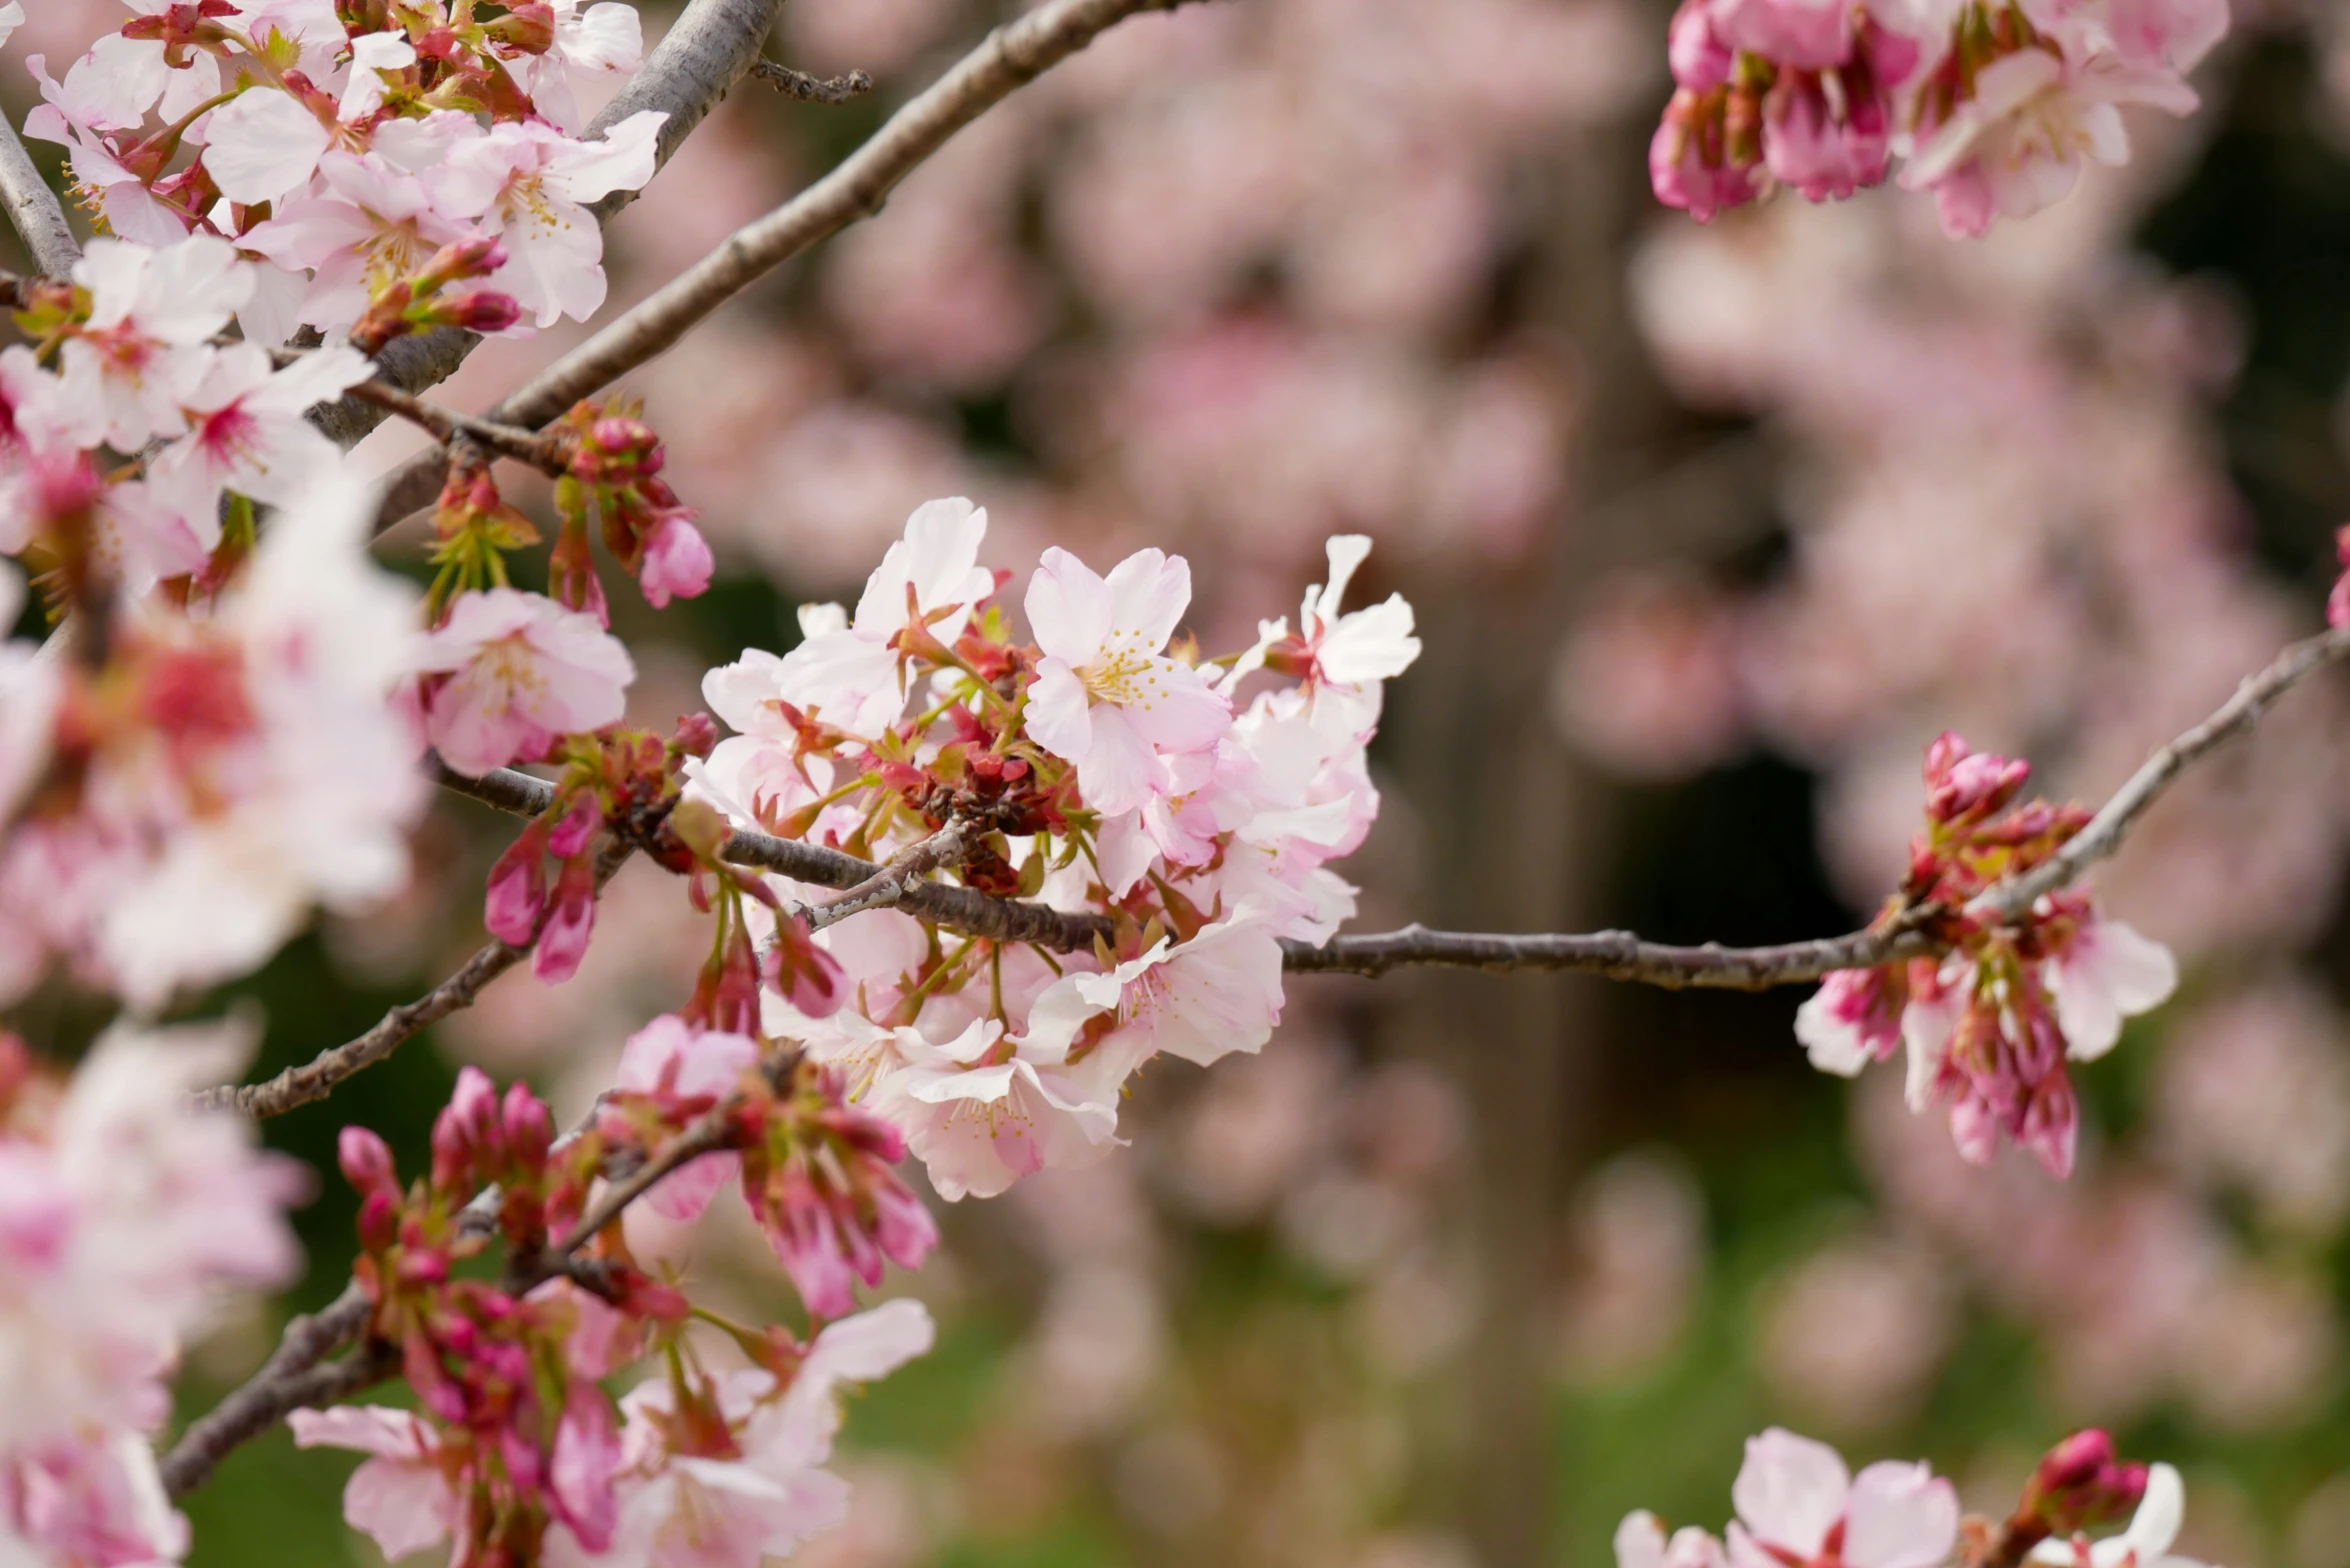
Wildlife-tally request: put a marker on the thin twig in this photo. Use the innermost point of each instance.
(2121, 811)
(287, 1381)
(1009, 57)
(812, 89)
(446, 424)
(317, 1078)
(33, 208)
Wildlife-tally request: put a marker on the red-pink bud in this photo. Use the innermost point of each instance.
(518, 889)
(366, 1160)
(677, 562)
(477, 310)
(476, 257)
(564, 939)
(530, 1131)
(576, 826)
(696, 735)
(810, 978)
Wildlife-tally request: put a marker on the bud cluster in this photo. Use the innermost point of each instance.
(1990, 1026)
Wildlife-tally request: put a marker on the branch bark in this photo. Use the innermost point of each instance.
(33, 207)
(290, 1379)
(1010, 57)
(705, 52)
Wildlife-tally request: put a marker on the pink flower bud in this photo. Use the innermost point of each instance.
(517, 890)
(801, 1229)
(1699, 58)
(366, 1161)
(810, 978)
(529, 1129)
(902, 1226)
(1976, 785)
(2081, 1482)
(477, 257)
(575, 827)
(564, 939)
(476, 310)
(677, 562)
(696, 735)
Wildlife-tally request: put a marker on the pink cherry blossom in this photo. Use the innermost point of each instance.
(1854, 1018)
(404, 1497)
(126, 372)
(669, 1057)
(363, 223)
(981, 1112)
(1201, 1000)
(246, 430)
(602, 39)
(523, 672)
(1106, 697)
(2106, 973)
(530, 184)
(263, 145)
(1797, 1504)
(2018, 144)
(848, 673)
(1807, 35)
(11, 18)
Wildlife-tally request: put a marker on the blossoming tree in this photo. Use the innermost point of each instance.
(969, 856)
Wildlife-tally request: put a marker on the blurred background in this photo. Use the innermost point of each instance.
(1709, 530)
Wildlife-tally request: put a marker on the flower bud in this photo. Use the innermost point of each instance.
(564, 939)
(476, 257)
(517, 889)
(528, 27)
(696, 735)
(529, 1129)
(677, 562)
(575, 827)
(476, 310)
(366, 1161)
(2080, 1483)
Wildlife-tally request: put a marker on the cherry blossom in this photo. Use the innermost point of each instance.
(2105, 973)
(530, 184)
(402, 1497)
(523, 670)
(121, 377)
(1641, 1543)
(1798, 1504)
(1106, 697)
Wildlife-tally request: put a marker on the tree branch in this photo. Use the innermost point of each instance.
(288, 1380)
(956, 908)
(1613, 955)
(705, 52)
(895, 881)
(33, 207)
(2121, 812)
(1009, 57)
(317, 1078)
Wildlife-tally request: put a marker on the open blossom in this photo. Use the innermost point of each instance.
(1106, 696)
(753, 1487)
(983, 1110)
(403, 1497)
(246, 429)
(600, 39)
(2104, 973)
(1798, 1505)
(928, 582)
(363, 224)
(523, 671)
(126, 374)
(1641, 1543)
(1201, 1000)
(670, 1058)
(530, 184)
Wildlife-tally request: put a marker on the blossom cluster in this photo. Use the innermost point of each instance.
(122, 1214)
(1799, 1506)
(1101, 771)
(1993, 104)
(517, 1453)
(346, 147)
(1989, 1026)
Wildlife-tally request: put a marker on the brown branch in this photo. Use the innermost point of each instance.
(446, 425)
(956, 908)
(1009, 57)
(317, 1078)
(893, 883)
(33, 208)
(1617, 955)
(812, 89)
(288, 1380)
(704, 53)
